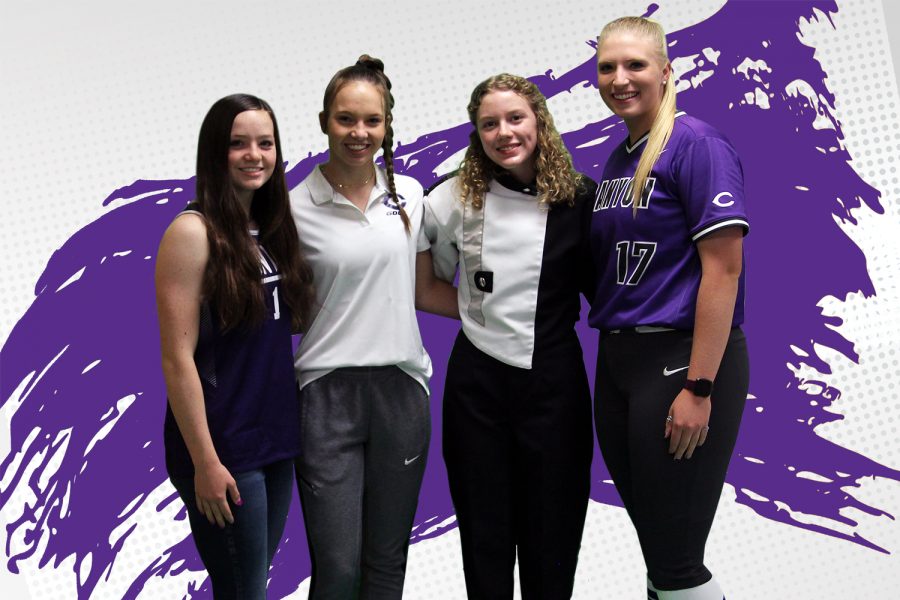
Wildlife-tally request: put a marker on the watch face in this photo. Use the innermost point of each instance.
(703, 387)
(700, 387)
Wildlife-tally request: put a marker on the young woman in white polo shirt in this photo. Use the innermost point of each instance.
(362, 370)
(517, 411)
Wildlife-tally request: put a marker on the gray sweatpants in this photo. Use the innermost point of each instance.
(364, 442)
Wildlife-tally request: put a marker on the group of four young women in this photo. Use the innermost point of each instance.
(350, 255)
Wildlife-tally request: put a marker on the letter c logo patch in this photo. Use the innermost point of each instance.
(724, 204)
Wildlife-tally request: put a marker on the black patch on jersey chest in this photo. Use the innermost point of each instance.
(484, 281)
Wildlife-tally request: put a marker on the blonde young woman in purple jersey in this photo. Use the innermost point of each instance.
(672, 367)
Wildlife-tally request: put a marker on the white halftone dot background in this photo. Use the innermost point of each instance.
(100, 93)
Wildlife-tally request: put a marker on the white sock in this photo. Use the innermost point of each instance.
(708, 591)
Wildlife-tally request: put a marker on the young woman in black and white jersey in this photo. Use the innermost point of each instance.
(517, 434)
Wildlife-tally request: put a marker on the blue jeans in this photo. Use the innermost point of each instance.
(238, 556)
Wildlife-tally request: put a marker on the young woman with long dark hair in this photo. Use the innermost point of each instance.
(231, 287)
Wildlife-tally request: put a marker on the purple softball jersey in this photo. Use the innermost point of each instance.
(648, 268)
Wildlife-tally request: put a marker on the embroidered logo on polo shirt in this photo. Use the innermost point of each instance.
(389, 202)
(484, 281)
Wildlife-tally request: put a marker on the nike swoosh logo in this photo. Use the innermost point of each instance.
(409, 461)
(667, 372)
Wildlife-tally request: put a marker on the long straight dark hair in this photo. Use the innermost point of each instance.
(370, 70)
(232, 280)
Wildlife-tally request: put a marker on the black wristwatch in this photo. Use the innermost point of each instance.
(701, 388)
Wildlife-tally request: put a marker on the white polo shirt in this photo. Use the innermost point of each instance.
(364, 273)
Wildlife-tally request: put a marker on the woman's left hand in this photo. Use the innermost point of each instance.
(688, 424)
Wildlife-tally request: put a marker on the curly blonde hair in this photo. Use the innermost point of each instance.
(557, 179)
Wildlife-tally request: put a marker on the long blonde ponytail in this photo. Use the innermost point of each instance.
(660, 132)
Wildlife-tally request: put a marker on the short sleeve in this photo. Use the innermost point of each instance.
(440, 217)
(422, 243)
(710, 183)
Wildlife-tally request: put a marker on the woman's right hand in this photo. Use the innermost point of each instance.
(212, 486)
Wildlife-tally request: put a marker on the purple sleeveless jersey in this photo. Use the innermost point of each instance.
(648, 268)
(249, 390)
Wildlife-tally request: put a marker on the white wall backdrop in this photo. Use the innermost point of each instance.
(97, 94)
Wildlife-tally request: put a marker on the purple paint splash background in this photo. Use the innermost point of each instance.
(109, 315)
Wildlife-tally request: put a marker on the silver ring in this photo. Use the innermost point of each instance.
(706, 428)
(669, 419)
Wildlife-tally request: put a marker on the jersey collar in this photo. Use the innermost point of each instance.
(643, 138)
(511, 183)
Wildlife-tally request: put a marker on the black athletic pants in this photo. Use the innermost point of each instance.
(671, 502)
(518, 446)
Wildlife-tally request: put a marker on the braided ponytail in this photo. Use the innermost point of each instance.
(387, 145)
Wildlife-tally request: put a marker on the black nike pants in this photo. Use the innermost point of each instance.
(671, 502)
(518, 446)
